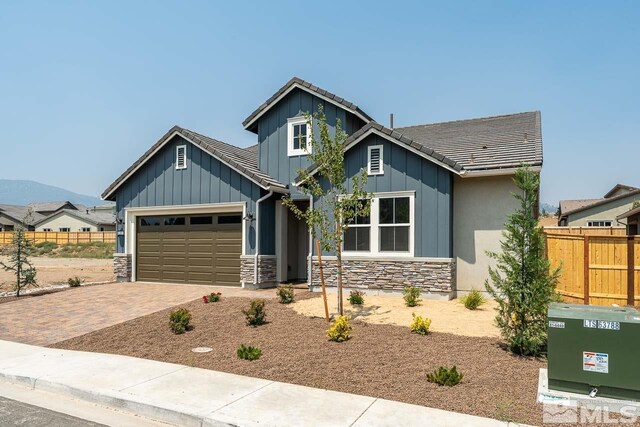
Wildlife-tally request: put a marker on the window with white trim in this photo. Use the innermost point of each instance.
(375, 160)
(394, 223)
(599, 223)
(387, 231)
(47, 229)
(357, 237)
(85, 229)
(64, 229)
(298, 137)
(181, 157)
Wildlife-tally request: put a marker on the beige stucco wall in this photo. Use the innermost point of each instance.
(480, 209)
(608, 212)
(73, 223)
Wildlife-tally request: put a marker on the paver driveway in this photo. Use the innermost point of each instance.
(59, 316)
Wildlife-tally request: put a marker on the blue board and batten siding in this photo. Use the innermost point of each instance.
(273, 158)
(406, 171)
(205, 180)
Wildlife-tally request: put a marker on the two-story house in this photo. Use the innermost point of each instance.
(193, 209)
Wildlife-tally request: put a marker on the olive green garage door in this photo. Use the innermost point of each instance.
(197, 249)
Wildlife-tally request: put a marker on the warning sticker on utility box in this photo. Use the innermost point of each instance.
(595, 362)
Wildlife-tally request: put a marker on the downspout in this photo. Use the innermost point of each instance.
(255, 261)
(310, 261)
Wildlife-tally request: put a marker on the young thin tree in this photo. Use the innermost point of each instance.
(522, 283)
(21, 249)
(338, 200)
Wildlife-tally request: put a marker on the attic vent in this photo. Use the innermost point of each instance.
(181, 157)
(374, 163)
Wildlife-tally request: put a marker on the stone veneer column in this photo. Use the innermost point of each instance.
(122, 267)
(432, 276)
(267, 265)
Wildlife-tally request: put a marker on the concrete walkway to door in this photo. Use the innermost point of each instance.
(55, 317)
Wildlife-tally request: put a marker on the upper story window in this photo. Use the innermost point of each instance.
(298, 137)
(374, 160)
(181, 157)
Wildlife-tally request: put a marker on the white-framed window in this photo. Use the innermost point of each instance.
(298, 137)
(47, 229)
(389, 229)
(375, 158)
(64, 229)
(85, 229)
(181, 157)
(599, 223)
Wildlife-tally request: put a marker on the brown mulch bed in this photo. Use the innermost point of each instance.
(380, 360)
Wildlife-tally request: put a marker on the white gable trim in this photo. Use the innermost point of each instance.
(165, 142)
(306, 89)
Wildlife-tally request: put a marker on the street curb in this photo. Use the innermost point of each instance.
(124, 402)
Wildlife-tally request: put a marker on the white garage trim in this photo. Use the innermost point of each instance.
(131, 215)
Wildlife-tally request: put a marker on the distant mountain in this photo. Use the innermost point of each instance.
(550, 209)
(19, 192)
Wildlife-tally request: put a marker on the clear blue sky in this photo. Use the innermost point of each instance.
(86, 87)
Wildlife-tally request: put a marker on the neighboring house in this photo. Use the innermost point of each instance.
(12, 216)
(71, 220)
(193, 209)
(599, 212)
(632, 218)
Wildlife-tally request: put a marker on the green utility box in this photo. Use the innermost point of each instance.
(594, 347)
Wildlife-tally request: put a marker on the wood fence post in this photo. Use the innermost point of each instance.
(630, 272)
(586, 270)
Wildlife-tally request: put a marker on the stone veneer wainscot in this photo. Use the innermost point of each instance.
(267, 265)
(434, 276)
(122, 267)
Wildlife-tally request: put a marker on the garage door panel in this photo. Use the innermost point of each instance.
(199, 254)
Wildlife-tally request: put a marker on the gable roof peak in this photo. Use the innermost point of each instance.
(296, 82)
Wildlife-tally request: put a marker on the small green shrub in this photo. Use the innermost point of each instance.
(212, 297)
(179, 320)
(256, 314)
(340, 329)
(420, 325)
(411, 296)
(473, 299)
(445, 376)
(248, 352)
(286, 294)
(356, 297)
(74, 282)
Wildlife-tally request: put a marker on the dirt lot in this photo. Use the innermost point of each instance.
(380, 360)
(52, 271)
(446, 316)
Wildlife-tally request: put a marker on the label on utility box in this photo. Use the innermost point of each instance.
(556, 324)
(602, 324)
(595, 362)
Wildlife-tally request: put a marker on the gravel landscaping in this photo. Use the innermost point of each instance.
(380, 360)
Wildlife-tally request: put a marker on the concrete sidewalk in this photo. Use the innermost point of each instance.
(186, 396)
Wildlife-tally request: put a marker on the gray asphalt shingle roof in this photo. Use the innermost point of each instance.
(485, 143)
(50, 206)
(18, 213)
(349, 106)
(240, 159)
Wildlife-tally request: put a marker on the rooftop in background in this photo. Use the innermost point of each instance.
(619, 191)
(88, 215)
(19, 213)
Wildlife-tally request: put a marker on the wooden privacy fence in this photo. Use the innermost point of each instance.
(591, 231)
(598, 270)
(60, 237)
